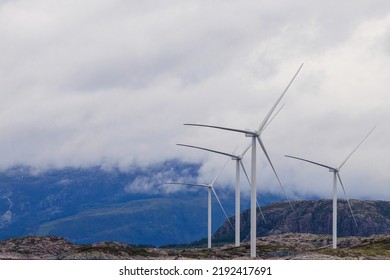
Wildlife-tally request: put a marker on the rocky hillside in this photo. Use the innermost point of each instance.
(314, 216)
(284, 246)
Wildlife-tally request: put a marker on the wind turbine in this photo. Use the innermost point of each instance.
(210, 188)
(238, 159)
(336, 175)
(255, 134)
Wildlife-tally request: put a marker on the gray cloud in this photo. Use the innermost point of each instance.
(111, 82)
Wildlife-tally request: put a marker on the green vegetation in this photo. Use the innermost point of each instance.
(373, 250)
(115, 251)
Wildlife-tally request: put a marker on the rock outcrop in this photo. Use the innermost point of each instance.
(314, 216)
(35, 248)
(284, 246)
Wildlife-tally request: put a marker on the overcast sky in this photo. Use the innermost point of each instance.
(99, 82)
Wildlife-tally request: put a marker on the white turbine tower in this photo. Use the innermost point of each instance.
(238, 159)
(210, 188)
(255, 134)
(336, 175)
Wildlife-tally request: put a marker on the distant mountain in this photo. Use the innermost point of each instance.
(315, 216)
(87, 205)
(154, 221)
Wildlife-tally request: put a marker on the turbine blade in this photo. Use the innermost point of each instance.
(220, 204)
(313, 162)
(346, 197)
(246, 149)
(261, 212)
(249, 182)
(210, 150)
(186, 184)
(354, 150)
(277, 101)
(219, 173)
(266, 125)
(273, 168)
(246, 174)
(223, 128)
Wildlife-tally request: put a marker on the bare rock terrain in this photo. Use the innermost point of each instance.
(297, 246)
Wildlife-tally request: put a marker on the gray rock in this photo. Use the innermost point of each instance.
(315, 216)
(284, 246)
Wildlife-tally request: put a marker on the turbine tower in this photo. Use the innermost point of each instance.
(255, 134)
(210, 188)
(336, 175)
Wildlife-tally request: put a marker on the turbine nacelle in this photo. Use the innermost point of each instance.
(250, 133)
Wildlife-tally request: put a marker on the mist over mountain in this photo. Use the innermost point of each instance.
(80, 203)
